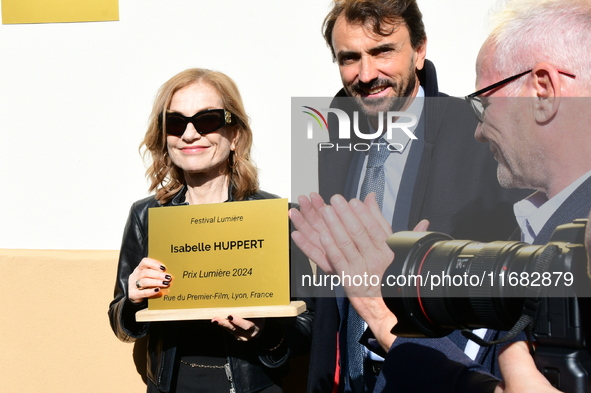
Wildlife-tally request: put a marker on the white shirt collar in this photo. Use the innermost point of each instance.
(533, 212)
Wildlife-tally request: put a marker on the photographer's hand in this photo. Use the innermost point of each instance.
(519, 372)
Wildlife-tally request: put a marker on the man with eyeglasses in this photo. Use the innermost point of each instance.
(536, 121)
(538, 50)
(443, 175)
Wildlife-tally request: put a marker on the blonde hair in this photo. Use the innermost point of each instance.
(166, 178)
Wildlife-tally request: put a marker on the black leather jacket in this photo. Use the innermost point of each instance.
(253, 366)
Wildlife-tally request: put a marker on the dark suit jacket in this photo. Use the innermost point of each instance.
(449, 179)
(577, 205)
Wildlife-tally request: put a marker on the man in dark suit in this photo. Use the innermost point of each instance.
(443, 175)
(540, 141)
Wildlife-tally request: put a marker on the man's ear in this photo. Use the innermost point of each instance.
(421, 54)
(547, 91)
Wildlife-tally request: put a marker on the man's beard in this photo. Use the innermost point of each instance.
(373, 106)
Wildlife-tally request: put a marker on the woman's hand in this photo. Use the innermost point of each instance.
(147, 279)
(242, 329)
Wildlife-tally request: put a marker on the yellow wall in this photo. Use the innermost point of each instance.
(54, 328)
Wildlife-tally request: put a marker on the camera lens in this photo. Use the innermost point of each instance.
(436, 284)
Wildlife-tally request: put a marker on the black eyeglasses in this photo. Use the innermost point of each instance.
(476, 102)
(204, 122)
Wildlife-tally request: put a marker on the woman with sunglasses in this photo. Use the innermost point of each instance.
(199, 143)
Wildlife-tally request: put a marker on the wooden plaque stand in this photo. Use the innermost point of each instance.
(291, 310)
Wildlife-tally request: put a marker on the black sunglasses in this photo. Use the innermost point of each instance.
(204, 122)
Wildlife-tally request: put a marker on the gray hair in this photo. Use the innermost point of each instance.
(526, 32)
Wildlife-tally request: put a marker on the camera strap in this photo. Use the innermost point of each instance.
(530, 305)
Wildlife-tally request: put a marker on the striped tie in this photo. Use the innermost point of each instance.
(374, 181)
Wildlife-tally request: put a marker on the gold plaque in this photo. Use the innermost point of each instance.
(222, 255)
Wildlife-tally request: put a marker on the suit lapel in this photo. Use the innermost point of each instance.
(577, 205)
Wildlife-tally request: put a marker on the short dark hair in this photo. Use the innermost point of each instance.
(374, 15)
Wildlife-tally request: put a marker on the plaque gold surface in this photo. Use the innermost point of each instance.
(222, 255)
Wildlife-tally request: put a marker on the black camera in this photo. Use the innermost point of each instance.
(436, 285)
